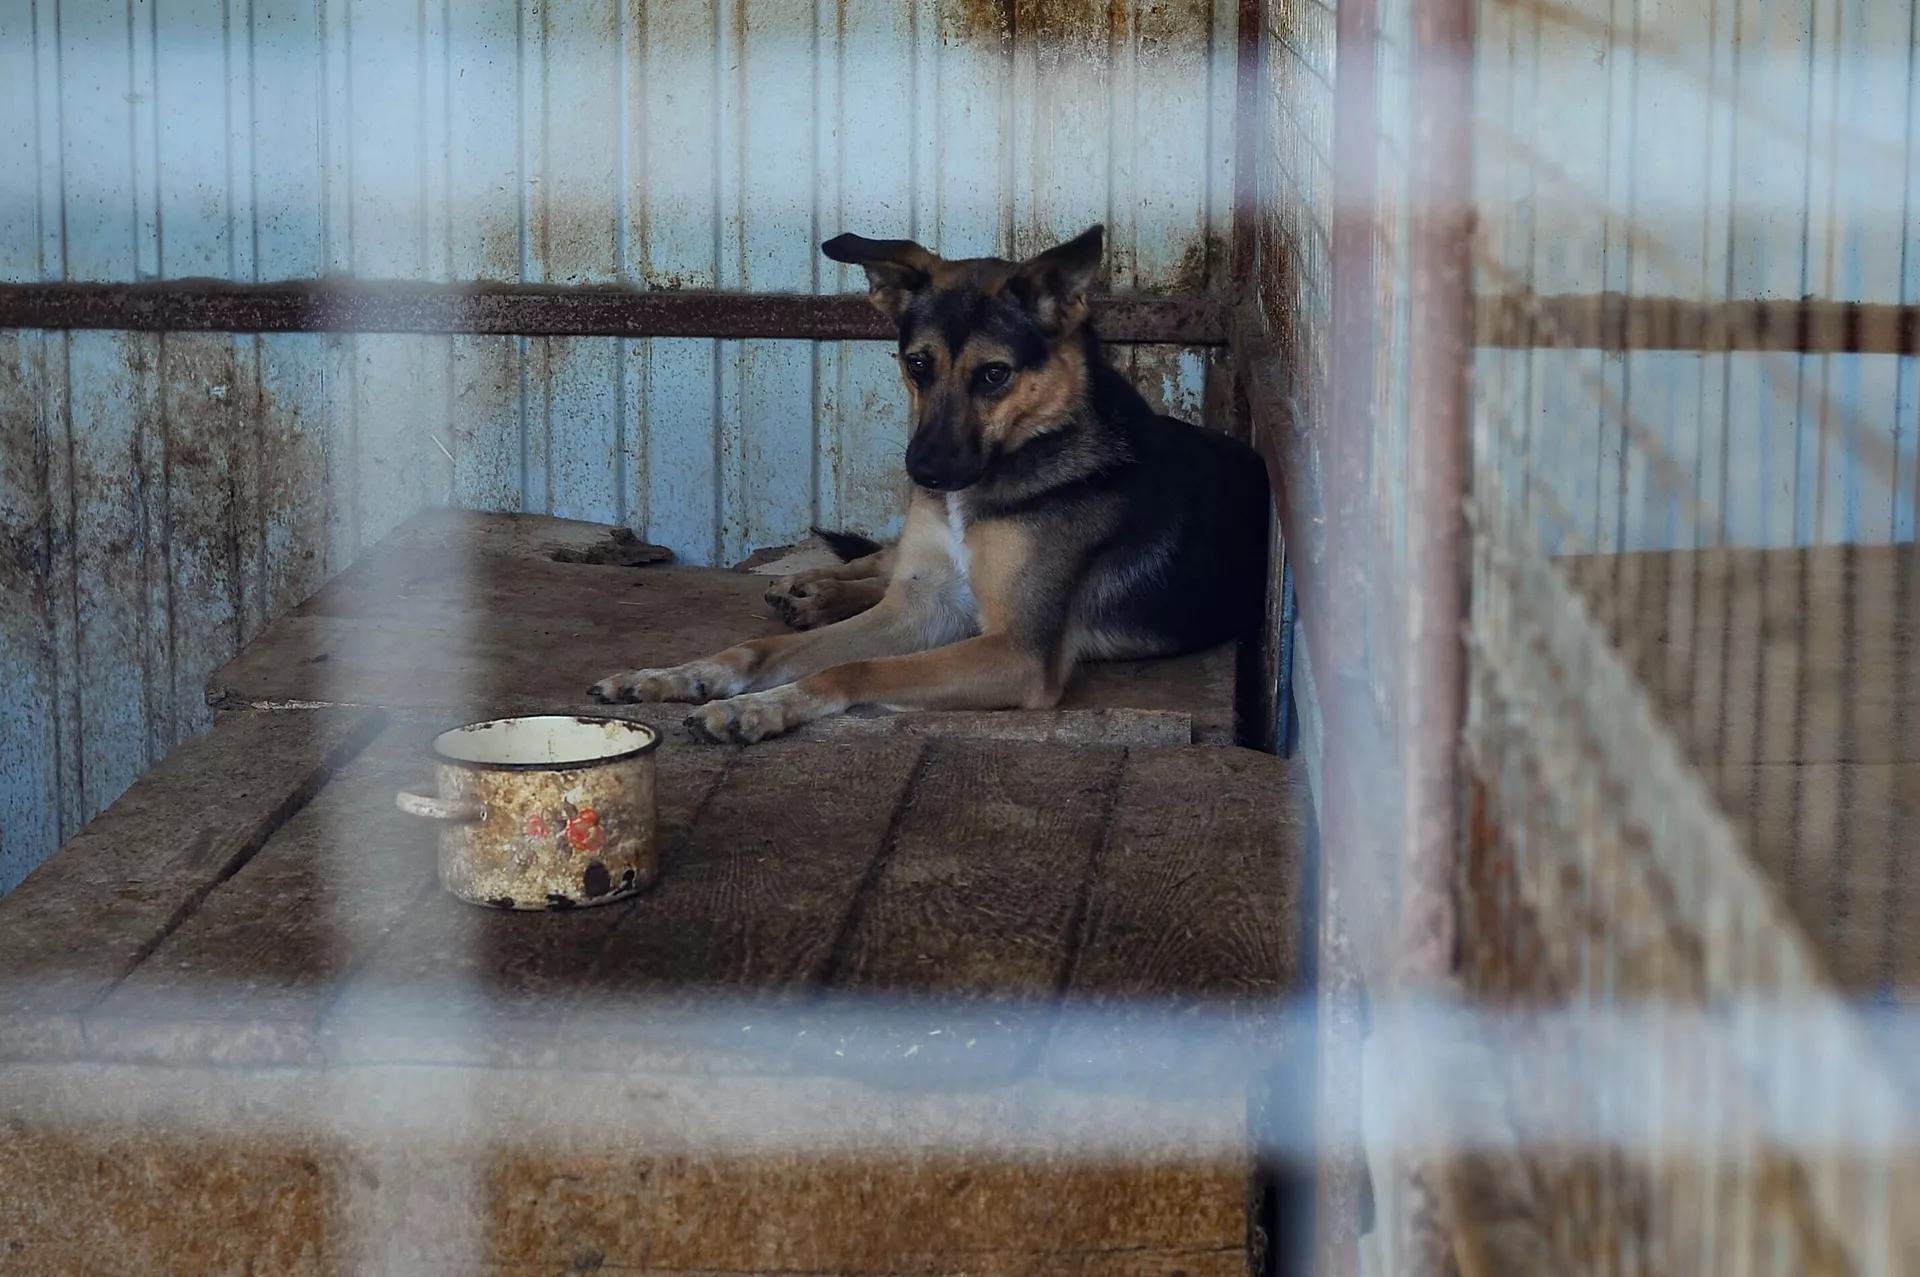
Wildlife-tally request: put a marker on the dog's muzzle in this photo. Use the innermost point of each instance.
(935, 462)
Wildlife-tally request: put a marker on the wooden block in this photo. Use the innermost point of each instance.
(1174, 935)
(973, 916)
(244, 978)
(118, 1201)
(130, 1201)
(87, 917)
(448, 629)
(452, 1167)
(980, 892)
(761, 891)
(939, 1216)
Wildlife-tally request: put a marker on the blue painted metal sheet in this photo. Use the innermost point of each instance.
(161, 498)
(1760, 149)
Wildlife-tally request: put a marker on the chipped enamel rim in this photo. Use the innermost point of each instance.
(544, 742)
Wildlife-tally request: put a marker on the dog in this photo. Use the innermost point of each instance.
(1054, 519)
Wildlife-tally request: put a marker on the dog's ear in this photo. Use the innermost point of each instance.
(1053, 286)
(896, 268)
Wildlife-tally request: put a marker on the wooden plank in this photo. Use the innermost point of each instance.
(1006, 1219)
(973, 917)
(474, 628)
(129, 1195)
(1769, 656)
(752, 895)
(470, 613)
(289, 947)
(88, 917)
(1174, 924)
(244, 978)
(1841, 842)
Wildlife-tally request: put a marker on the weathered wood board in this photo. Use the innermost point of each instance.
(1841, 841)
(1770, 656)
(1792, 678)
(472, 613)
(896, 1005)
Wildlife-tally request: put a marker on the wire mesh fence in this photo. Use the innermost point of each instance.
(1689, 777)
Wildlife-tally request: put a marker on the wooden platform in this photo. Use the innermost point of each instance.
(941, 1002)
(1793, 679)
(497, 614)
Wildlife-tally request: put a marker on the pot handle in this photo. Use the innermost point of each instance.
(434, 808)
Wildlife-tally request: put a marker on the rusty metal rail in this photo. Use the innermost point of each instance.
(1615, 321)
(524, 310)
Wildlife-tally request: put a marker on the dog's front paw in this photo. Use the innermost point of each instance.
(694, 683)
(744, 720)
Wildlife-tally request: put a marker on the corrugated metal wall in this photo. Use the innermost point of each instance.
(161, 498)
(1711, 152)
(1741, 150)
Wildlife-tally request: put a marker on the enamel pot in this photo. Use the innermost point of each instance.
(547, 812)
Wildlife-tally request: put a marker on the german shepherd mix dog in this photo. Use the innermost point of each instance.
(1055, 519)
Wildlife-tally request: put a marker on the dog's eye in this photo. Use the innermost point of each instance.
(918, 365)
(994, 376)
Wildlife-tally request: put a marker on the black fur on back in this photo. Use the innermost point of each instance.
(1161, 527)
(848, 546)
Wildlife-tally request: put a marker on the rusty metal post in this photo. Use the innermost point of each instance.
(1433, 629)
(1436, 587)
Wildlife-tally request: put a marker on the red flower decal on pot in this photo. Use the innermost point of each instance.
(584, 831)
(537, 826)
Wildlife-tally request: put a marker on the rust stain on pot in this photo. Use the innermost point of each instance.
(522, 833)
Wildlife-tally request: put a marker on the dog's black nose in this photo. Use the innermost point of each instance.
(936, 463)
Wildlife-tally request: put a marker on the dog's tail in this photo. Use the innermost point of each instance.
(848, 546)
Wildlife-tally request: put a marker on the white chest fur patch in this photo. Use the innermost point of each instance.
(957, 548)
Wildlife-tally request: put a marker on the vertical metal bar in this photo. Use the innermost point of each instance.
(1433, 624)
(1437, 474)
(1335, 626)
(1284, 727)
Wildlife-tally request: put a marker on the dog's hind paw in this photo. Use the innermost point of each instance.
(694, 683)
(807, 603)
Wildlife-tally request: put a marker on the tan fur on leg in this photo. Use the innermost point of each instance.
(918, 609)
(989, 672)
